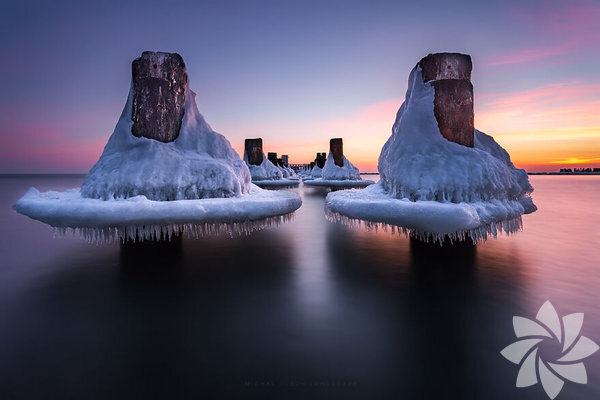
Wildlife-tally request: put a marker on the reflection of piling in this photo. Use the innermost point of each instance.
(450, 75)
(159, 81)
(161, 255)
(457, 253)
(336, 147)
(320, 160)
(272, 157)
(254, 151)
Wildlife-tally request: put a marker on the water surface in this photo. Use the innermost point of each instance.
(310, 309)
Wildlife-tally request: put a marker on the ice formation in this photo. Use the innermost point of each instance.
(333, 172)
(148, 186)
(334, 176)
(200, 163)
(126, 218)
(270, 175)
(288, 173)
(431, 187)
(266, 171)
(316, 172)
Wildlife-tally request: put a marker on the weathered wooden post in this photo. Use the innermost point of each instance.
(159, 81)
(272, 157)
(336, 147)
(321, 158)
(254, 151)
(450, 75)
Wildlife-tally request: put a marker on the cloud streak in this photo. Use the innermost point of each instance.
(572, 29)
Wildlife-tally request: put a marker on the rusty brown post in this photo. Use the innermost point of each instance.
(254, 151)
(450, 75)
(159, 81)
(336, 147)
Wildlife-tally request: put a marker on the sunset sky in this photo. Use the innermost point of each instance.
(297, 73)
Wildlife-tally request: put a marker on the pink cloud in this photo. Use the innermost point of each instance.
(529, 55)
(572, 27)
(547, 94)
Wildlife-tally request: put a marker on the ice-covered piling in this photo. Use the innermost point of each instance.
(254, 150)
(320, 160)
(147, 189)
(159, 81)
(336, 147)
(450, 75)
(440, 179)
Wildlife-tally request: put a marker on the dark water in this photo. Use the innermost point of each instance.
(309, 310)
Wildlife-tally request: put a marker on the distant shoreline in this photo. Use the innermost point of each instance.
(563, 173)
(362, 173)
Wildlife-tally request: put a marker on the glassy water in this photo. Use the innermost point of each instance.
(312, 309)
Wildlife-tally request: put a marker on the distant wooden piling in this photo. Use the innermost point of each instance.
(320, 160)
(272, 157)
(254, 151)
(336, 147)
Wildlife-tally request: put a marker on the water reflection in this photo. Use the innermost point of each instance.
(163, 254)
(438, 311)
(310, 309)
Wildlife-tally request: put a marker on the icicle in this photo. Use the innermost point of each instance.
(479, 234)
(138, 233)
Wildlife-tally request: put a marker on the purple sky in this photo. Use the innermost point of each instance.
(297, 73)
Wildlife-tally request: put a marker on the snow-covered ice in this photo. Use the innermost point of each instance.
(426, 219)
(287, 172)
(270, 175)
(333, 172)
(200, 163)
(431, 187)
(266, 171)
(196, 184)
(338, 184)
(281, 183)
(124, 217)
(331, 175)
(316, 172)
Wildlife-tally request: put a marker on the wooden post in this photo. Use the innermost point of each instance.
(450, 75)
(254, 151)
(336, 147)
(159, 81)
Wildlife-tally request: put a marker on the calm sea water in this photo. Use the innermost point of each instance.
(311, 309)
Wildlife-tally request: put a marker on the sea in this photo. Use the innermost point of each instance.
(307, 310)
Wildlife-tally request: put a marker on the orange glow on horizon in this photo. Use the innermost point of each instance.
(542, 128)
(573, 160)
